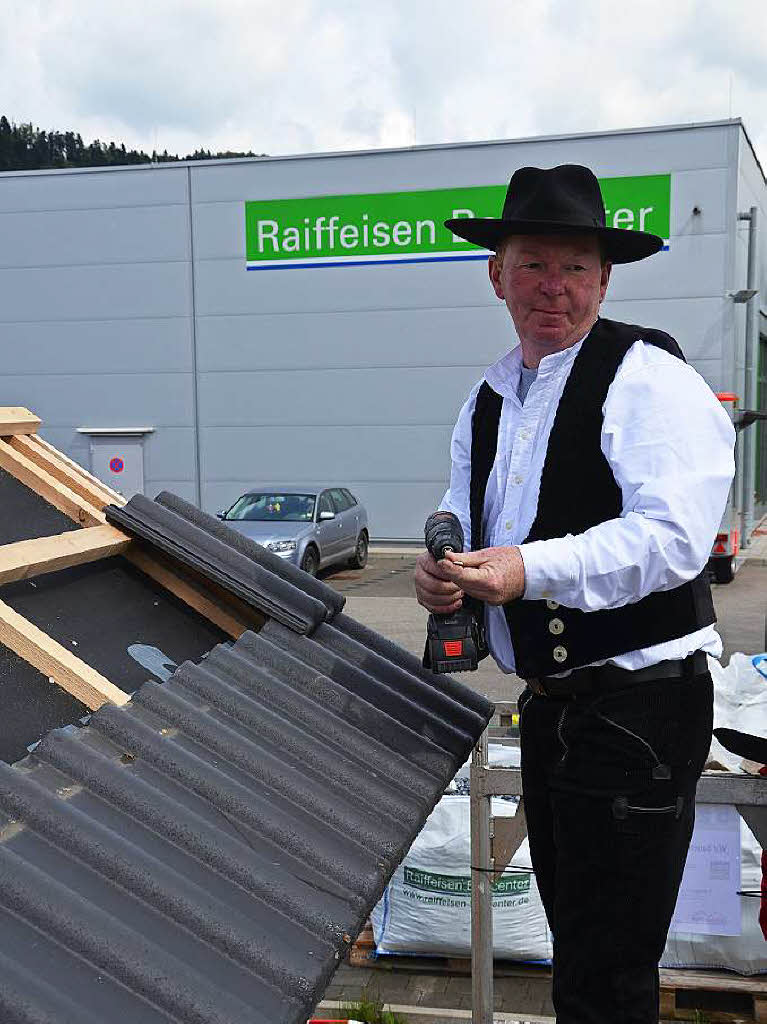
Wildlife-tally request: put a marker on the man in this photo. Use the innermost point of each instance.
(590, 468)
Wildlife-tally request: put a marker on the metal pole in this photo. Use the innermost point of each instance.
(195, 373)
(481, 891)
(749, 389)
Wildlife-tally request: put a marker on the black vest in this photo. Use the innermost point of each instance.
(578, 491)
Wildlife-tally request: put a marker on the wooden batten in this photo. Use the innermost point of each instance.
(53, 660)
(16, 420)
(29, 558)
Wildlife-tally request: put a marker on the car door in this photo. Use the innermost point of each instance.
(347, 521)
(328, 533)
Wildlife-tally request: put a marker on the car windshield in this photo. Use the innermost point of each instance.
(273, 507)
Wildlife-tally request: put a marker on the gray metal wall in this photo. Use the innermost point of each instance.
(96, 309)
(347, 374)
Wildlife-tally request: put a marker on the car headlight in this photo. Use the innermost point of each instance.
(281, 546)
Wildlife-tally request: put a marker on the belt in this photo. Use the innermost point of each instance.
(601, 678)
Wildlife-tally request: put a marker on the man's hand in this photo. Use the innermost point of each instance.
(433, 587)
(495, 575)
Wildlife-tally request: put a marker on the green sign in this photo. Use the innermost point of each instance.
(395, 227)
(460, 885)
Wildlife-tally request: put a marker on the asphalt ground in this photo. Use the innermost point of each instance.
(382, 597)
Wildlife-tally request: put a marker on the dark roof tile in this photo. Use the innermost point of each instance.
(206, 853)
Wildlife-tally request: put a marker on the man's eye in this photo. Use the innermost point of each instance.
(576, 266)
(532, 266)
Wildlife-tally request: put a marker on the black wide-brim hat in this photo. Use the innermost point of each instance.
(564, 200)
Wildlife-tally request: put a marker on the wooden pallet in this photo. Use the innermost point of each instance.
(82, 497)
(711, 996)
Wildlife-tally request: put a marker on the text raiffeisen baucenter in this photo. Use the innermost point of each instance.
(325, 234)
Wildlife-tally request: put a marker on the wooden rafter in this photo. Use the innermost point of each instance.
(70, 475)
(28, 558)
(16, 420)
(55, 661)
(47, 486)
(115, 496)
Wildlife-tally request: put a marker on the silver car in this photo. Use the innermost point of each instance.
(310, 528)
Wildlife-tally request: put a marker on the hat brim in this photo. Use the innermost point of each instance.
(619, 244)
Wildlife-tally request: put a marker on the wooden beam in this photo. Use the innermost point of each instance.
(231, 616)
(16, 420)
(48, 487)
(28, 558)
(55, 661)
(111, 496)
(69, 475)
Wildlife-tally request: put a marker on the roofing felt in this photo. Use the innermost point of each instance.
(103, 612)
(207, 852)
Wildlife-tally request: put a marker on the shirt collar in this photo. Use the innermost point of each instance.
(503, 376)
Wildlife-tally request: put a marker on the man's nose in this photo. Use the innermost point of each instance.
(552, 283)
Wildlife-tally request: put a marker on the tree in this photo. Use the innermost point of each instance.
(24, 147)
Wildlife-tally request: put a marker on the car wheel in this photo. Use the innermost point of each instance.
(723, 571)
(360, 558)
(311, 561)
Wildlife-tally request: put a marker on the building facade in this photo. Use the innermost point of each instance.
(208, 327)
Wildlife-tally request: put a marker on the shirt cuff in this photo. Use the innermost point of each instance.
(551, 569)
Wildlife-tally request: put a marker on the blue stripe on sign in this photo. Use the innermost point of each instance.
(289, 265)
(370, 263)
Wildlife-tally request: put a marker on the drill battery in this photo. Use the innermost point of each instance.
(453, 642)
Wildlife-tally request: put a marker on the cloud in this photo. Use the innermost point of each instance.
(335, 74)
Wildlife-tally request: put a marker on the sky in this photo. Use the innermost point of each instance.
(320, 75)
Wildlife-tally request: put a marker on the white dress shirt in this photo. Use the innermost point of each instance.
(670, 447)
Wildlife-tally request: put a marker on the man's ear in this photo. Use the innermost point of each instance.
(494, 273)
(605, 279)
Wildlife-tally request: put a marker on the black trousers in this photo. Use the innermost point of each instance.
(609, 784)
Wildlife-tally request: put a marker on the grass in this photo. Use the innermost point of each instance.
(370, 1009)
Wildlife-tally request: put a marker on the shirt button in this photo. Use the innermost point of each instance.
(559, 654)
(556, 626)
(509, 524)
(524, 434)
(552, 605)
(517, 480)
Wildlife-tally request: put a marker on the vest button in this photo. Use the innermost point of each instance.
(552, 605)
(556, 626)
(559, 654)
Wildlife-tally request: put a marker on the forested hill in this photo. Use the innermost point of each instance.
(26, 148)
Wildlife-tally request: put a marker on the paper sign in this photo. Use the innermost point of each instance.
(708, 902)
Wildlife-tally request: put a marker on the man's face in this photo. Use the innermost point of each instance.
(552, 285)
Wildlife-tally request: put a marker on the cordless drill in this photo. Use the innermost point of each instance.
(454, 642)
